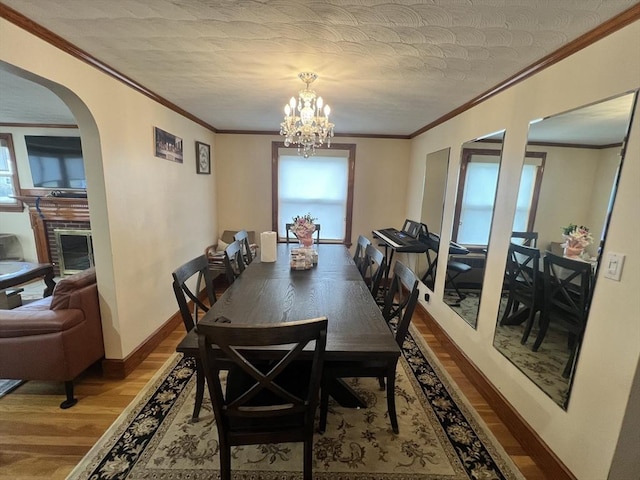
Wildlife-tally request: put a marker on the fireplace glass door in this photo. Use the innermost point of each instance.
(75, 249)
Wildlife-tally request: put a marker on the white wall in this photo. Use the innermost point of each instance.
(148, 215)
(583, 437)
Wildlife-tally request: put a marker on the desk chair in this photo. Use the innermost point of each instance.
(196, 270)
(372, 269)
(264, 403)
(404, 291)
(529, 239)
(233, 261)
(361, 246)
(523, 264)
(567, 295)
(316, 232)
(243, 237)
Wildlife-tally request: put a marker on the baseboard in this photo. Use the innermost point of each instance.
(120, 368)
(531, 442)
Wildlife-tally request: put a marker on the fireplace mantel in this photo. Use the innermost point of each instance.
(45, 210)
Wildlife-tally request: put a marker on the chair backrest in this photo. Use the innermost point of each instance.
(372, 268)
(567, 289)
(243, 237)
(233, 261)
(523, 267)
(316, 232)
(195, 270)
(361, 247)
(258, 392)
(529, 239)
(401, 299)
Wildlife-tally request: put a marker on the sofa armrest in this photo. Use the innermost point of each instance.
(14, 323)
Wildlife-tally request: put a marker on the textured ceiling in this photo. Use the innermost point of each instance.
(385, 67)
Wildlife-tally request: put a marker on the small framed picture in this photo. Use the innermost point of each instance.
(203, 158)
(168, 146)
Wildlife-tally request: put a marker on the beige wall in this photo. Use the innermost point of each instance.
(584, 437)
(146, 213)
(244, 182)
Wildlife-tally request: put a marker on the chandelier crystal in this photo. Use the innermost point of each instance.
(306, 123)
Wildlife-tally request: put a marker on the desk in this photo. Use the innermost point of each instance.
(273, 293)
(13, 274)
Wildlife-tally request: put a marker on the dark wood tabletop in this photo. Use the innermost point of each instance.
(14, 273)
(273, 293)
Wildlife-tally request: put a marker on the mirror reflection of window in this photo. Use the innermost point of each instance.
(582, 152)
(473, 216)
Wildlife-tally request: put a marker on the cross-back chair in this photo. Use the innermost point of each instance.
(361, 247)
(316, 232)
(243, 237)
(523, 268)
(372, 269)
(264, 402)
(194, 271)
(233, 261)
(400, 301)
(567, 295)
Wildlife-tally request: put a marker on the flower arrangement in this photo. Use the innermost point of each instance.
(303, 225)
(577, 236)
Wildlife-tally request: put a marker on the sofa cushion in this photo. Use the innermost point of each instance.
(14, 323)
(68, 285)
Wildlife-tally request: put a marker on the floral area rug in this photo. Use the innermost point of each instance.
(440, 437)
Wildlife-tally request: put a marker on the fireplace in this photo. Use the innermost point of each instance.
(75, 250)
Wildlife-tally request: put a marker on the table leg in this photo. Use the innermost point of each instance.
(50, 284)
(344, 394)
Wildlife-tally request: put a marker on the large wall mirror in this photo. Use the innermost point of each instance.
(435, 183)
(473, 215)
(569, 177)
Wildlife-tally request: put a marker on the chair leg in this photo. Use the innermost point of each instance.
(544, 325)
(381, 382)
(225, 461)
(71, 400)
(199, 392)
(324, 407)
(528, 326)
(307, 471)
(391, 397)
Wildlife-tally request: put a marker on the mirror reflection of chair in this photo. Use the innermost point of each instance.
(361, 246)
(529, 239)
(567, 291)
(233, 261)
(372, 269)
(195, 270)
(247, 252)
(264, 403)
(400, 301)
(523, 264)
(316, 232)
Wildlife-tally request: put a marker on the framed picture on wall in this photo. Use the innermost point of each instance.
(168, 146)
(203, 158)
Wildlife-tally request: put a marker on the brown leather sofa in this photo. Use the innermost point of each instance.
(55, 338)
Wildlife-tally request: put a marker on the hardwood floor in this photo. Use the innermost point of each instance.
(39, 440)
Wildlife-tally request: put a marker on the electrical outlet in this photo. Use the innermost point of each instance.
(613, 266)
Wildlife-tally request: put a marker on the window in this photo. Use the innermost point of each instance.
(9, 183)
(527, 202)
(321, 185)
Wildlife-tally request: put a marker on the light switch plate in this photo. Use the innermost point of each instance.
(613, 265)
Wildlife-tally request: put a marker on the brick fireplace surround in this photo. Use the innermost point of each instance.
(48, 213)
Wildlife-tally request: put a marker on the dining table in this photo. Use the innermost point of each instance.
(274, 292)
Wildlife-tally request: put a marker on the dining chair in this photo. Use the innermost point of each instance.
(233, 261)
(567, 295)
(264, 402)
(400, 302)
(361, 246)
(316, 232)
(194, 272)
(372, 269)
(243, 237)
(529, 239)
(523, 269)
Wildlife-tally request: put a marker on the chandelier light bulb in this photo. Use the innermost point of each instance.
(310, 129)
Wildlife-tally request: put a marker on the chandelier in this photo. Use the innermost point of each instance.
(309, 126)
